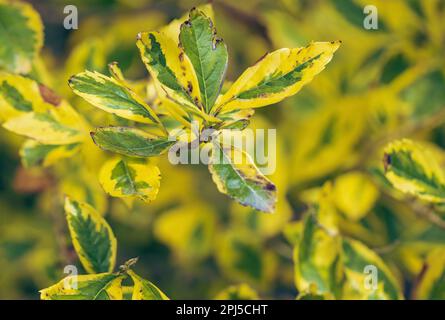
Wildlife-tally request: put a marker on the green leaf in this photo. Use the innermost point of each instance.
(413, 169)
(236, 175)
(130, 177)
(207, 53)
(21, 36)
(112, 96)
(92, 237)
(104, 286)
(144, 289)
(130, 142)
(36, 154)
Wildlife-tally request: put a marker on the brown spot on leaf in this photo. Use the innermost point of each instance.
(270, 187)
(386, 161)
(49, 95)
(189, 87)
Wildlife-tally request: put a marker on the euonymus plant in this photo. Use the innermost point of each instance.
(188, 69)
(353, 191)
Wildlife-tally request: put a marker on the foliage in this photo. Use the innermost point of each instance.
(359, 160)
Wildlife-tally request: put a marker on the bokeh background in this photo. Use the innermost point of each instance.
(192, 241)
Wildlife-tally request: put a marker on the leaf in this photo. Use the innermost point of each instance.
(44, 127)
(170, 67)
(194, 240)
(92, 237)
(276, 76)
(431, 284)
(317, 259)
(104, 286)
(239, 292)
(130, 142)
(413, 169)
(207, 53)
(241, 256)
(355, 195)
(356, 257)
(172, 30)
(34, 153)
(19, 95)
(144, 289)
(21, 35)
(236, 175)
(112, 96)
(130, 177)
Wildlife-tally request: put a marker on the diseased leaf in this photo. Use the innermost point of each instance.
(36, 154)
(413, 169)
(236, 175)
(21, 35)
(103, 286)
(112, 96)
(207, 53)
(276, 76)
(144, 289)
(92, 237)
(130, 142)
(45, 127)
(130, 177)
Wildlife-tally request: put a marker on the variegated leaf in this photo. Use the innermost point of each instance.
(92, 237)
(170, 67)
(37, 154)
(130, 142)
(112, 96)
(413, 169)
(276, 76)
(236, 175)
(21, 35)
(103, 286)
(317, 258)
(144, 289)
(130, 177)
(358, 259)
(45, 127)
(431, 283)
